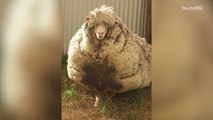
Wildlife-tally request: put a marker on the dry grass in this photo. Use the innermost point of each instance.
(77, 103)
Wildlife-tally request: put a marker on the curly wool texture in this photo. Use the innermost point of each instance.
(129, 54)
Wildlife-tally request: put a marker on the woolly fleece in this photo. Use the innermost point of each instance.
(127, 52)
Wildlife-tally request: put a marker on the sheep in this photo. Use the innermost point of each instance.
(115, 62)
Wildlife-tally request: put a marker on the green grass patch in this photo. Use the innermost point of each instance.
(71, 94)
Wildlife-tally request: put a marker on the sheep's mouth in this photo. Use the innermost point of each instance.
(100, 37)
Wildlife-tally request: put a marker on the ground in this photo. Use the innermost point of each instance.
(77, 103)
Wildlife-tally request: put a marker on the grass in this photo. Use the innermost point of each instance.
(77, 103)
(71, 94)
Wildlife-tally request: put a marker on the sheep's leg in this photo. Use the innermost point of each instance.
(97, 100)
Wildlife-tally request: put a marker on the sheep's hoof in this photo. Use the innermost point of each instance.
(97, 99)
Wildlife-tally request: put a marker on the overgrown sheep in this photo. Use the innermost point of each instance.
(107, 57)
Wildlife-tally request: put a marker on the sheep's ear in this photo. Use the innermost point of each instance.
(86, 18)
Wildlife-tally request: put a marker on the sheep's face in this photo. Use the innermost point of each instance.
(101, 31)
